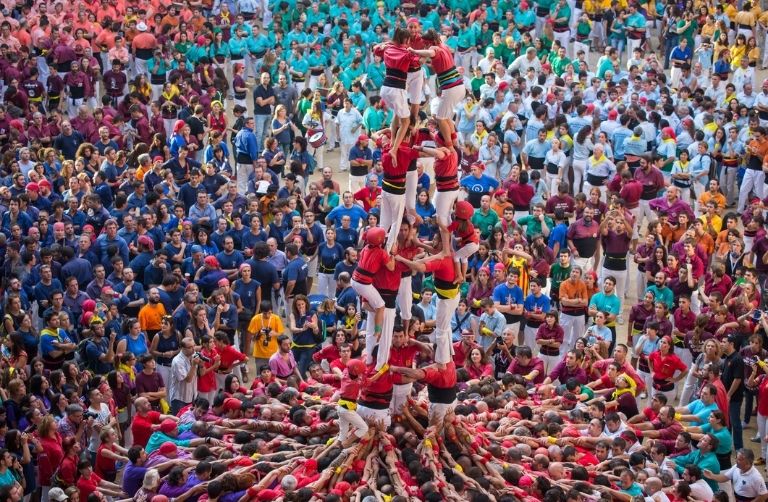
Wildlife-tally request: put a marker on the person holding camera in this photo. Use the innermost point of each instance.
(264, 329)
(182, 386)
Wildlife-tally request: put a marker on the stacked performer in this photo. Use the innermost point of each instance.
(372, 259)
(393, 188)
(450, 83)
(442, 267)
(397, 60)
(446, 176)
(469, 240)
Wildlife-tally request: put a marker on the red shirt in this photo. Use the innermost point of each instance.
(229, 356)
(142, 427)
(476, 373)
(88, 486)
(207, 382)
(368, 197)
(444, 273)
(664, 366)
(370, 261)
(442, 379)
(403, 357)
(460, 354)
(50, 460)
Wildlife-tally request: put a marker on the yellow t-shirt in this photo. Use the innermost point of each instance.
(261, 351)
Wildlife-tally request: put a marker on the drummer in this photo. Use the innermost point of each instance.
(397, 61)
(450, 83)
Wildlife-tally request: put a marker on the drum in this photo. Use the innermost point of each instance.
(317, 140)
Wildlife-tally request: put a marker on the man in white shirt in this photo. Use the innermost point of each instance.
(349, 121)
(183, 385)
(748, 483)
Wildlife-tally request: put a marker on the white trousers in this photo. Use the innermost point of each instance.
(754, 180)
(400, 395)
(140, 66)
(392, 209)
(349, 418)
(444, 202)
(529, 337)
(564, 39)
(579, 167)
(356, 183)
(442, 334)
(344, 154)
(573, 328)
(645, 212)
(385, 338)
(326, 285)
(411, 185)
(688, 388)
(549, 362)
(761, 431)
(405, 298)
(374, 415)
(369, 293)
(242, 173)
(438, 412)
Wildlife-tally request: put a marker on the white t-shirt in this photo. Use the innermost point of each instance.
(748, 484)
(103, 419)
(700, 490)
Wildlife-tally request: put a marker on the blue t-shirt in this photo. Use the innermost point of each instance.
(356, 213)
(532, 303)
(701, 410)
(247, 293)
(505, 295)
(328, 257)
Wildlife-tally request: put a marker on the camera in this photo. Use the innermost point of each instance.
(198, 355)
(90, 414)
(265, 334)
(499, 340)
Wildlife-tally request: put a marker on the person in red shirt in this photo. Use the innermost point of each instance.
(403, 353)
(408, 246)
(206, 378)
(90, 482)
(464, 231)
(446, 176)
(444, 273)
(372, 258)
(664, 364)
(369, 193)
(144, 420)
(229, 357)
(441, 387)
(352, 381)
(393, 188)
(449, 81)
(397, 61)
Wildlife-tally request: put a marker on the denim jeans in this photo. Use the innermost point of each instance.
(261, 129)
(303, 358)
(734, 415)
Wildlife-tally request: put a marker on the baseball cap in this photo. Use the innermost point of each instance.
(57, 494)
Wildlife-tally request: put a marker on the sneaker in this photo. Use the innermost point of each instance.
(760, 461)
(755, 439)
(620, 319)
(643, 395)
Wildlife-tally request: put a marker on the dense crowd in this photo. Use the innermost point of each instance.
(535, 272)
